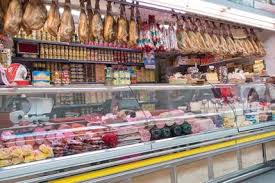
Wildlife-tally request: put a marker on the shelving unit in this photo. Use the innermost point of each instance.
(22, 40)
(23, 59)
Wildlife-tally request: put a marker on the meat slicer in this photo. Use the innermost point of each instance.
(30, 109)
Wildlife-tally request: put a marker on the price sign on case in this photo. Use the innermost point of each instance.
(149, 60)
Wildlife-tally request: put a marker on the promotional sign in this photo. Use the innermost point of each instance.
(149, 60)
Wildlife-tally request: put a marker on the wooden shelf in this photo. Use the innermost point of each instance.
(21, 40)
(24, 59)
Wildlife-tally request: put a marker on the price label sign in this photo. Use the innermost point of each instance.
(149, 60)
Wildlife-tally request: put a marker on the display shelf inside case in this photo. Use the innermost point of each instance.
(72, 161)
(257, 126)
(195, 138)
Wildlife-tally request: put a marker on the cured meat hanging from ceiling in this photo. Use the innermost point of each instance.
(97, 24)
(188, 35)
(4, 4)
(133, 29)
(67, 27)
(53, 21)
(35, 15)
(90, 15)
(83, 24)
(23, 26)
(1, 20)
(218, 39)
(13, 17)
(122, 32)
(109, 23)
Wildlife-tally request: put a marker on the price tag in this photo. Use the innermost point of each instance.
(149, 60)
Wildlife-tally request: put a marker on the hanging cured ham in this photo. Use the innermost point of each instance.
(122, 32)
(182, 37)
(4, 4)
(139, 21)
(26, 29)
(133, 29)
(109, 24)
(53, 21)
(90, 15)
(199, 37)
(206, 35)
(1, 20)
(97, 23)
(67, 28)
(13, 17)
(83, 24)
(35, 15)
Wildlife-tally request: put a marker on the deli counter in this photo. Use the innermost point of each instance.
(48, 130)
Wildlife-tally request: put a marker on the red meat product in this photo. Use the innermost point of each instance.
(40, 135)
(1, 144)
(68, 136)
(7, 135)
(30, 140)
(78, 128)
(20, 141)
(201, 125)
(177, 112)
(127, 130)
(64, 126)
(50, 137)
(60, 137)
(160, 124)
(68, 119)
(145, 135)
(128, 137)
(110, 139)
(10, 143)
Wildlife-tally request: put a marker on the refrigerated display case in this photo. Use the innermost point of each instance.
(54, 128)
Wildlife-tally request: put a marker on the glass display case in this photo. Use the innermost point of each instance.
(95, 123)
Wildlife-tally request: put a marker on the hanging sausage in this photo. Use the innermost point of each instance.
(35, 15)
(97, 23)
(109, 24)
(67, 28)
(53, 21)
(83, 24)
(90, 15)
(122, 32)
(133, 29)
(13, 17)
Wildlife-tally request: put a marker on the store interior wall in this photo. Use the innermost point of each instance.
(268, 38)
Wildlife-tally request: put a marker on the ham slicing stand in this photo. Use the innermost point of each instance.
(31, 109)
